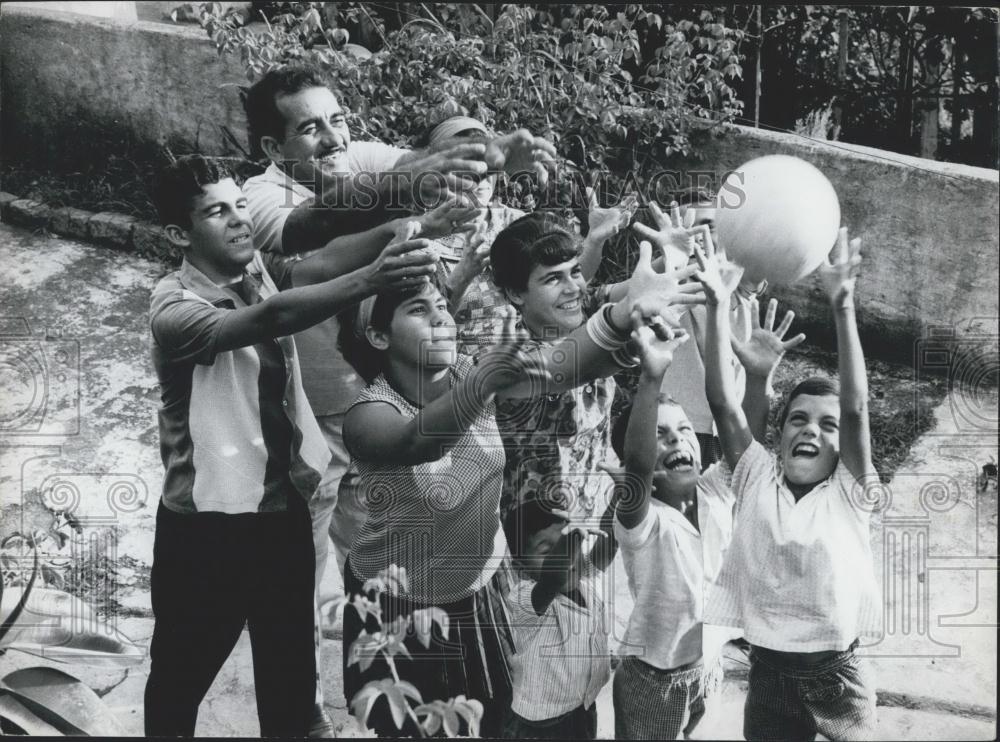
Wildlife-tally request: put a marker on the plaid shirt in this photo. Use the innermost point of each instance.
(440, 519)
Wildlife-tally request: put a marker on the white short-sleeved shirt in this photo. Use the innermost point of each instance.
(330, 382)
(562, 659)
(669, 564)
(798, 576)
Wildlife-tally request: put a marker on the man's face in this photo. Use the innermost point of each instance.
(553, 299)
(315, 136)
(220, 238)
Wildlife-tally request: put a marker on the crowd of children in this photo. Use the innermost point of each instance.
(499, 481)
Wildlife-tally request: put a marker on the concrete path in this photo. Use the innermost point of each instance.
(78, 403)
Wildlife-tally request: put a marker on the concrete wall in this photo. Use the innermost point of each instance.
(930, 229)
(65, 75)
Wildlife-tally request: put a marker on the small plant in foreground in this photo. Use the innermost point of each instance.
(430, 717)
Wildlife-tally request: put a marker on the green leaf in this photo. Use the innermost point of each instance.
(397, 703)
(62, 701)
(472, 711)
(365, 648)
(449, 719)
(61, 627)
(364, 699)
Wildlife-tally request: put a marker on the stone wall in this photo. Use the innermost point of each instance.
(68, 77)
(930, 228)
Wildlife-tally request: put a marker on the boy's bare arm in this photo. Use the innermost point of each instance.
(400, 264)
(720, 386)
(839, 277)
(640, 437)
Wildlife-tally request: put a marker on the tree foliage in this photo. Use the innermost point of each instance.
(619, 89)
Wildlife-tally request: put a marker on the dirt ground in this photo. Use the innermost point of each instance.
(79, 434)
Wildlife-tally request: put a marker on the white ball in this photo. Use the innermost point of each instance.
(778, 217)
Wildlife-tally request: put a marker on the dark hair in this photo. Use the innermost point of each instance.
(177, 185)
(261, 100)
(819, 386)
(620, 425)
(537, 238)
(358, 352)
(524, 521)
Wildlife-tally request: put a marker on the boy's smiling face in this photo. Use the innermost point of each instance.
(810, 438)
(678, 456)
(219, 241)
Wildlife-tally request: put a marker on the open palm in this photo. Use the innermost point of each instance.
(761, 353)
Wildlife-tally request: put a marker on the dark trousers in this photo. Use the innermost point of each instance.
(789, 701)
(580, 723)
(212, 574)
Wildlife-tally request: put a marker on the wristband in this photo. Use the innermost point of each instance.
(624, 357)
(605, 335)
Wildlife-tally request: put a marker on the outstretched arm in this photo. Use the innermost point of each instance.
(640, 436)
(580, 357)
(378, 432)
(838, 277)
(354, 251)
(720, 386)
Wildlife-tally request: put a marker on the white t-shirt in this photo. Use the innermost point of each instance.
(799, 576)
(669, 566)
(330, 382)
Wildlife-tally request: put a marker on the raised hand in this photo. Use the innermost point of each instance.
(509, 363)
(475, 255)
(672, 236)
(653, 293)
(605, 223)
(440, 175)
(656, 347)
(718, 276)
(404, 263)
(521, 151)
(839, 274)
(763, 350)
(453, 216)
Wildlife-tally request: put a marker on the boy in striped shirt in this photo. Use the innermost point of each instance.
(558, 620)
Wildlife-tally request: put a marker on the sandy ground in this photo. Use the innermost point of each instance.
(78, 431)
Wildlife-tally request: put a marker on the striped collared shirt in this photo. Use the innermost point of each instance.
(562, 659)
(798, 576)
(236, 431)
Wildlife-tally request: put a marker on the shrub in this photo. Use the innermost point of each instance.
(619, 89)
